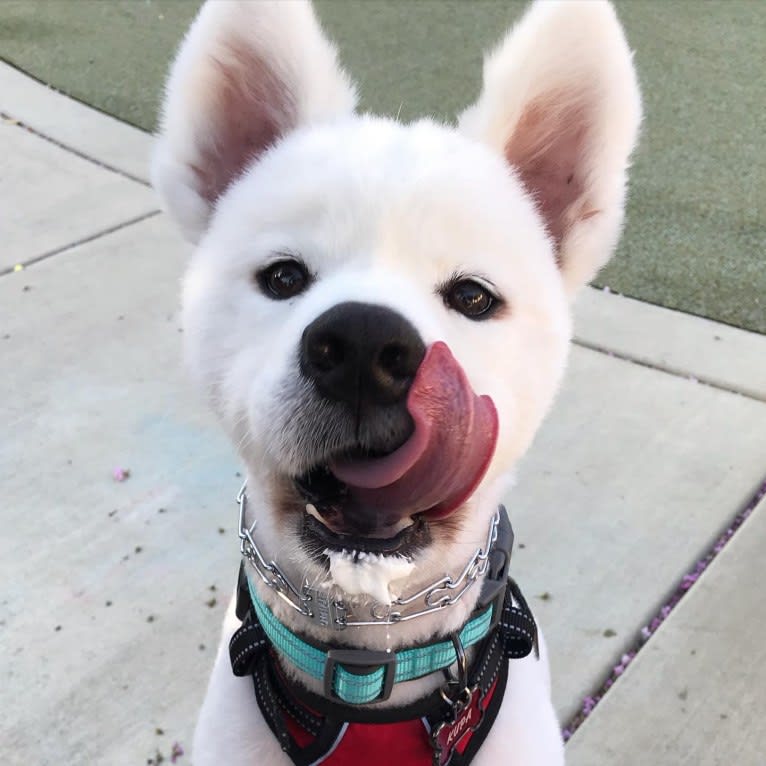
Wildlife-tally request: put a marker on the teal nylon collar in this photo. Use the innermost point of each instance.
(358, 676)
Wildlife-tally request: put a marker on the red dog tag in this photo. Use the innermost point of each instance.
(445, 737)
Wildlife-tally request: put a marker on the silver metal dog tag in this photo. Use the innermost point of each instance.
(322, 608)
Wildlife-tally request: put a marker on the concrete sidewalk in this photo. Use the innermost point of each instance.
(113, 592)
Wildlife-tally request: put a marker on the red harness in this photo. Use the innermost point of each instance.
(404, 743)
(374, 744)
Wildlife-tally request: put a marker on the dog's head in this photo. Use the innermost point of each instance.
(380, 312)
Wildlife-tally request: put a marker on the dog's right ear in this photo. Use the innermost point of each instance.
(246, 74)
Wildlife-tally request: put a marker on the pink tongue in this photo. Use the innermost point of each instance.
(440, 465)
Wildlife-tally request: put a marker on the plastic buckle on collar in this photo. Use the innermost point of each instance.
(359, 662)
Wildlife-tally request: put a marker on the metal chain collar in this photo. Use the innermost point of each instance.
(322, 608)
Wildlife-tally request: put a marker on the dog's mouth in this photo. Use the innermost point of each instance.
(382, 503)
(333, 522)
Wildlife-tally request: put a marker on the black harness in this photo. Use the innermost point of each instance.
(466, 705)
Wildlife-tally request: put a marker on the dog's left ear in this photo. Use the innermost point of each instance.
(247, 74)
(560, 101)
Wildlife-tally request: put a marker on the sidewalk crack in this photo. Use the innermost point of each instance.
(83, 241)
(668, 370)
(71, 150)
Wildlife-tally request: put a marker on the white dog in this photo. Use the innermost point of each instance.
(380, 315)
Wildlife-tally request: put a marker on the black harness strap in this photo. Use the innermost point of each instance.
(517, 626)
(275, 705)
(247, 645)
(497, 668)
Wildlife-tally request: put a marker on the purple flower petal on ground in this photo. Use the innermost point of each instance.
(120, 474)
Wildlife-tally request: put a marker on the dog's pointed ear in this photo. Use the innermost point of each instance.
(560, 101)
(247, 73)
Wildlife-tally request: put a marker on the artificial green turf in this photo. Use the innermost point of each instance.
(695, 237)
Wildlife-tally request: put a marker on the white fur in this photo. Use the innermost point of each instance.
(383, 213)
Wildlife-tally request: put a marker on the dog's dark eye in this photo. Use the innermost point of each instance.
(283, 279)
(471, 299)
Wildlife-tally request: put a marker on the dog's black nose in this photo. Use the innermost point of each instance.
(361, 353)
